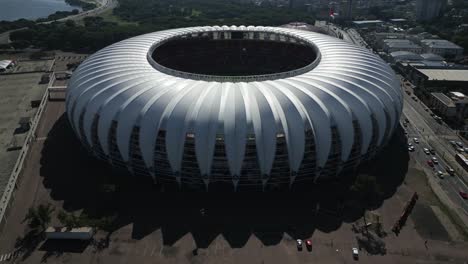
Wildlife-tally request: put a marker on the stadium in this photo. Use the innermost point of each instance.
(260, 108)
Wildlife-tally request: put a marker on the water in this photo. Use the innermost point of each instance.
(31, 9)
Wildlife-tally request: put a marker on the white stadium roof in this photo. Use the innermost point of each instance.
(347, 83)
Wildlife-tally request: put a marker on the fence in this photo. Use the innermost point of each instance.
(8, 194)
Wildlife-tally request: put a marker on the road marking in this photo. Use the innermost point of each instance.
(144, 251)
(152, 251)
(450, 185)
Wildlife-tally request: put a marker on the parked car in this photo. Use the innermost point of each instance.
(426, 150)
(355, 253)
(459, 144)
(461, 150)
(299, 244)
(432, 151)
(411, 148)
(453, 143)
(429, 162)
(440, 174)
(435, 160)
(463, 195)
(309, 244)
(416, 140)
(450, 171)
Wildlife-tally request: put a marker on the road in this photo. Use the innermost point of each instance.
(438, 134)
(5, 36)
(104, 5)
(350, 36)
(424, 132)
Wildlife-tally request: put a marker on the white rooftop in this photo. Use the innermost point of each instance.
(460, 75)
(440, 43)
(5, 63)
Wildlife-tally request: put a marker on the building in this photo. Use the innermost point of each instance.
(439, 79)
(239, 107)
(367, 23)
(398, 56)
(453, 106)
(5, 64)
(392, 45)
(442, 47)
(429, 9)
(443, 105)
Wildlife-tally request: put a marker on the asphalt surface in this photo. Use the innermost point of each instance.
(419, 128)
(430, 134)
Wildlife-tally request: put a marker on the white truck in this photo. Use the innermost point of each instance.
(79, 233)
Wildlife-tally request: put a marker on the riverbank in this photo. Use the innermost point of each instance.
(14, 10)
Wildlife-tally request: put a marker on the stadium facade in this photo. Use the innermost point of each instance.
(254, 107)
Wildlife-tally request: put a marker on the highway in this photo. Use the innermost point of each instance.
(430, 134)
(418, 128)
(438, 134)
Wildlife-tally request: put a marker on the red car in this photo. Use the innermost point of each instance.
(430, 163)
(309, 244)
(464, 195)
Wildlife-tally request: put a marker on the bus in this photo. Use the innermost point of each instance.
(462, 160)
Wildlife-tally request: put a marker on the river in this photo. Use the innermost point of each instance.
(31, 9)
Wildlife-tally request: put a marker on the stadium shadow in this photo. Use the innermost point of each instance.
(82, 182)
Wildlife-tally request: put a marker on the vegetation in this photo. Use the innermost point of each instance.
(135, 17)
(182, 13)
(93, 35)
(38, 218)
(83, 4)
(71, 220)
(10, 25)
(366, 189)
(58, 15)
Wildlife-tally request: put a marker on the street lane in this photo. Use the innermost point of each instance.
(452, 185)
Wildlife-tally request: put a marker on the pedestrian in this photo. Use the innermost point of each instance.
(425, 244)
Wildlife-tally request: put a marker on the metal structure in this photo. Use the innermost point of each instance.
(258, 130)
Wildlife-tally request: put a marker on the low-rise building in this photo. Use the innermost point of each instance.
(443, 105)
(442, 47)
(367, 23)
(5, 64)
(397, 56)
(392, 45)
(439, 79)
(453, 105)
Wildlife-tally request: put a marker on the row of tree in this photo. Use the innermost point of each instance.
(148, 16)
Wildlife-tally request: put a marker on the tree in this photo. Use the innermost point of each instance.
(68, 220)
(38, 218)
(366, 189)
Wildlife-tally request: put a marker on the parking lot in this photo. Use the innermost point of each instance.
(16, 93)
